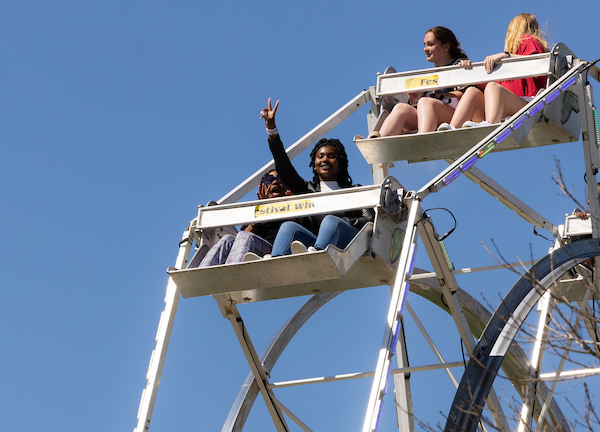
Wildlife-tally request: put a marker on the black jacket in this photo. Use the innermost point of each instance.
(289, 175)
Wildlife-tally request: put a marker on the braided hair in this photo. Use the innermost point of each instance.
(343, 178)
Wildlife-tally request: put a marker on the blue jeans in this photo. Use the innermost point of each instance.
(333, 230)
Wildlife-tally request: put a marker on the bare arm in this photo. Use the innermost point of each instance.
(491, 60)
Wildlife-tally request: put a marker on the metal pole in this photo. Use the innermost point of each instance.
(399, 292)
(163, 335)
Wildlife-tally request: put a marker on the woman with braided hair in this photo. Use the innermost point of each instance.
(329, 162)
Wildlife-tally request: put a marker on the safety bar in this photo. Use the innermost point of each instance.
(289, 207)
(457, 76)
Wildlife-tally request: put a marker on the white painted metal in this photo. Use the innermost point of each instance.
(575, 226)
(544, 306)
(291, 415)
(590, 149)
(559, 369)
(399, 292)
(357, 375)
(523, 264)
(405, 415)
(508, 199)
(376, 240)
(246, 396)
(230, 311)
(163, 335)
(325, 271)
(434, 348)
(292, 275)
(456, 76)
(447, 281)
(295, 206)
(575, 374)
(549, 126)
(431, 146)
(380, 171)
(450, 288)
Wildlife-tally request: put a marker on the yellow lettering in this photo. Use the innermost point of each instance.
(421, 82)
(271, 209)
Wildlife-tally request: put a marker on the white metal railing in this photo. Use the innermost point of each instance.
(456, 76)
(288, 207)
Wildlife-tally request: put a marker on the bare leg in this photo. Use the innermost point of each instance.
(402, 118)
(431, 113)
(500, 102)
(470, 107)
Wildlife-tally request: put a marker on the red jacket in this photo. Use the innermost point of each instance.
(527, 86)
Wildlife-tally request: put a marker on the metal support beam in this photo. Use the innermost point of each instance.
(447, 281)
(431, 344)
(449, 288)
(230, 311)
(529, 398)
(561, 366)
(381, 171)
(358, 375)
(404, 407)
(590, 149)
(163, 335)
(291, 415)
(399, 293)
(508, 199)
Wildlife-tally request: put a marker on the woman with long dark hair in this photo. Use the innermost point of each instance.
(427, 110)
(329, 162)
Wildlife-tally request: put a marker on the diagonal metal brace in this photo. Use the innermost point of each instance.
(231, 312)
(449, 288)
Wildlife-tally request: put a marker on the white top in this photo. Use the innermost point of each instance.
(328, 185)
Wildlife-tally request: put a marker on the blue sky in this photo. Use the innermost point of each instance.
(118, 118)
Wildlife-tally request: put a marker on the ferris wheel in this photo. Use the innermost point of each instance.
(544, 333)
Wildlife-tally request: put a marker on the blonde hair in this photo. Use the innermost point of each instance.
(523, 24)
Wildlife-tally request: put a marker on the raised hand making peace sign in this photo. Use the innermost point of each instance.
(269, 114)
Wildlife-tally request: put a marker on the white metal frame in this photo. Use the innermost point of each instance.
(233, 214)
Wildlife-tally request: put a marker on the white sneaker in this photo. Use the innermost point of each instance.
(312, 249)
(250, 256)
(445, 127)
(470, 123)
(298, 247)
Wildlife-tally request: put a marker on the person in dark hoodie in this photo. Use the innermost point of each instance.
(329, 162)
(254, 239)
